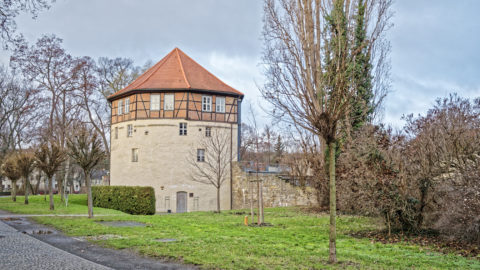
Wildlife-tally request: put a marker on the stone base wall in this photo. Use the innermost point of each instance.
(276, 191)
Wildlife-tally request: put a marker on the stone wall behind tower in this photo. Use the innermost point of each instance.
(276, 191)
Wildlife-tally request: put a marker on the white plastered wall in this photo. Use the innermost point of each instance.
(162, 161)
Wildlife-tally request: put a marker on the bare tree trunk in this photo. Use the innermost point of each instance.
(32, 191)
(37, 185)
(65, 179)
(1, 183)
(45, 189)
(231, 167)
(14, 191)
(250, 185)
(262, 218)
(27, 184)
(59, 178)
(258, 201)
(89, 195)
(50, 193)
(22, 187)
(333, 205)
(218, 199)
(388, 224)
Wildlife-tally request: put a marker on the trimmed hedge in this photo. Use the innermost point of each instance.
(131, 200)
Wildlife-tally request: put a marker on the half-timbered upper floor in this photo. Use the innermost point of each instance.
(176, 104)
(176, 87)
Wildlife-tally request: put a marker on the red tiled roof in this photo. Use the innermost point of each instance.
(177, 71)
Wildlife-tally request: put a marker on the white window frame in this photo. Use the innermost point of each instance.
(120, 107)
(208, 131)
(169, 102)
(127, 105)
(220, 106)
(155, 106)
(206, 103)
(182, 129)
(134, 154)
(129, 130)
(200, 155)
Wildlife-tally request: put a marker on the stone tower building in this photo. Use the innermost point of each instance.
(158, 122)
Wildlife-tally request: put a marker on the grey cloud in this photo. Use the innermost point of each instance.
(435, 44)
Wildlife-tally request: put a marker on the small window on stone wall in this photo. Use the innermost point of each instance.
(134, 154)
(129, 130)
(183, 129)
(200, 155)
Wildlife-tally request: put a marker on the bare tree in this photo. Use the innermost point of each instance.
(9, 10)
(11, 170)
(257, 157)
(55, 73)
(309, 55)
(115, 74)
(86, 151)
(49, 157)
(1, 173)
(210, 163)
(92, 101)
(20, 107)
(25, 163)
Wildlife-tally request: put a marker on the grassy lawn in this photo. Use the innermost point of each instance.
(77, 204)
(296, 240)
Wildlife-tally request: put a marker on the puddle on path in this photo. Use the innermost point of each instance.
(39, 231)
(10, 219)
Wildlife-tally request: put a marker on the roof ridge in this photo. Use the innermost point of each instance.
(207, 71)
(166, 74)
(160, 63)
(181, 67)
(134, 82)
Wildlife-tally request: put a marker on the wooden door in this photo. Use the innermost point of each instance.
(181, 202)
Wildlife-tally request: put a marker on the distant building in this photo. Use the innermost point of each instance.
(158, 121)
(75, 183)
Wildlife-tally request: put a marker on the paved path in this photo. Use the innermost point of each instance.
(21, 251)
(58, 251)
(2, 216)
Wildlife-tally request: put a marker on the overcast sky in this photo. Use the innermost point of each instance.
(435, 44)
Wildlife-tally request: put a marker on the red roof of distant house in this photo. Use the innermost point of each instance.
(177, 71)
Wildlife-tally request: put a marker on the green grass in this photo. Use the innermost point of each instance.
(296, 241)
(77, 204)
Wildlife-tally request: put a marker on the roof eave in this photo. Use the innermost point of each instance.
(153, 90)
